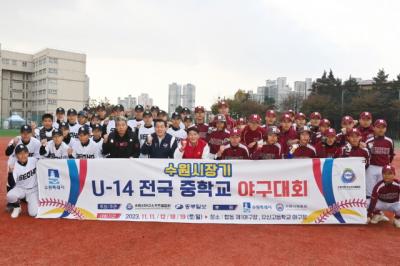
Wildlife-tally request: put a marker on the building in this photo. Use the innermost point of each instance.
(189, 96)
(174, 97)
(34, 84)
(128, 102)
(308, 86)
(300, 89)
(145, 100)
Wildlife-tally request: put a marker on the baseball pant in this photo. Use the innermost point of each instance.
(31, 195)
(372, 176)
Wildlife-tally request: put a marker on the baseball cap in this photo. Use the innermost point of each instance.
(194, 128)
(315, 115)
(365, 115)
(388, 169)
(199, 109)
(285, 117)
(290, 112)
(60, 110)
(119, 107)
(270, 113)
(162, 113)
(241, 121)
(97, 127)
(304, 129)
(235, 132)
(222, 104)
(83, 130)
(354, 131)
(82, 113)
(56, 132)
(380, 122)
(185, 110)
(64, 125)
(221, 118)
(26, 128)
(188, 117)
(325, 122)
(139, 108)
(154, 108)
(330, 132)
(20, 148)
(255, 118)
(175, 115)
(147, 113)
(72, 111)
(273, 130)
(347, 119)
(300, 116)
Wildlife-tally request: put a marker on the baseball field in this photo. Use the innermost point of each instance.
(32, 241)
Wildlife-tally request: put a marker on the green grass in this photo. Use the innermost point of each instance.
(9, 132)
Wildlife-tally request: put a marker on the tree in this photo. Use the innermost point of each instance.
(381, 78)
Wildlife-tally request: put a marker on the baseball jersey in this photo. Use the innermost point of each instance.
(56, 124)
(217, 138)
(25, 174)
(53, 152)
(110, 126)
(99, 142)
(203, 130)
(349, 151)
(133, 124)
(284, 137)
(73, 130)
(302, 151)
(250, 136)
(230, 122)
(341, 138)
(381, 150)
(178, 133)
(386, 192)
(33, 149)
(239, 152)
(268, 151)
(89, 151)
(366, 132)
(143, 132)
(327, 151)
(42, 133)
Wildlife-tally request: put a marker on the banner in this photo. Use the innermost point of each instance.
(297, 191)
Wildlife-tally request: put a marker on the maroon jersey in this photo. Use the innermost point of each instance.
(315, 135)
(268, 151)
(203, 130)
(284, 137)
(302, 151)
(341, 139)
(327, 151)
(217, 138)
(249, 136)
(230, 122)
(366, 132)
(239, 152)
(381, 149)
(349, 151)
(386, 192)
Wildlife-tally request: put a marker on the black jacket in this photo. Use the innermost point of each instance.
(122, 147)
(165, 149)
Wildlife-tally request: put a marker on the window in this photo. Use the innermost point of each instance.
(52, 102)
(5, 61)
(14, 62)
(53, 70)
(53, 60)
(52, 91)
(24, 64)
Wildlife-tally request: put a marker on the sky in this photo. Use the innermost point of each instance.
(217, 45)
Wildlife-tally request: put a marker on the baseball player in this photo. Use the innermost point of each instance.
(241, 123)
(223, 108)
(72, 119)
(303, 149)
(300, 121)
(96, 137)
(328, 147)
(347, 124)
(291, 114)
(270, 118)
(146, 130)
(138, 121)
(85, 148)
(385, 197)
(184, 113)
(381, 149)
(175, 129)
(203, 127)
(24, 174)
(103, 120)
(272, 149)
(188, 121)
(353, 148)
(45, 131)
(161, 115)
(253, 134)
(60, 117)
(55, 148)
(118, 110)
(324, 125)
(193, 147)
(365, 126)
(154, 111)
(234, 150)
(218, 136)
(288, 135)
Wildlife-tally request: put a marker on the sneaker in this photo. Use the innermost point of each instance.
(378, 218)
(15, 213)
(396, 222)
(384, 218)
(9, 207)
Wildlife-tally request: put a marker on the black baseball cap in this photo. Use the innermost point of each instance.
(60, 110)
(147, 113)
(188, 117)
(26, 128)
(83, 113)
(97, 127)
(194, 128)
(162, 112)
(20, 148)
(185, 110)
(56, 132)
(72, 111)
(64, 125)
(139, 108)
(154, 108)
(118, 107)
(83, 130)
(175, 115)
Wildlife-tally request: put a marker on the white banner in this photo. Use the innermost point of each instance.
(297, 191)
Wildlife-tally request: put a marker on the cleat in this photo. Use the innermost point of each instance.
(378, 218)
(15, 213)
(396, 223)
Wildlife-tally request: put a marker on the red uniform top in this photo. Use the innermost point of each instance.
(249, 136)
(366, 132)
(381, 149)
(284, 137)
(239, 152)
(203, 130)
(327, 151)
(302, 151)
(386, 192)
(194, 152)
(349, 151)
(314, 135)
(230, 122)
(341, 139)
(217, 138)
(268, 151)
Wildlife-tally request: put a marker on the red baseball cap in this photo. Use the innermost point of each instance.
(325, 122)
(315, 115)
(347, 119)
(330, 132)
(354, 131)
(286, 117)
(365, 115)
(223, 103)
(254, 118)
(270, 113)
(388, 169)
(199, 109)
(300, 116)
(241, 121)
(290, 112)
(273, 130)
(235, 132)
(380, 122)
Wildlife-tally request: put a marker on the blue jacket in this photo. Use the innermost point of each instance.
(165, 149)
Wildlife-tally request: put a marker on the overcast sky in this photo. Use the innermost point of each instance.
(218, 45)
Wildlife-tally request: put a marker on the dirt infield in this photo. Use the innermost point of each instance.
(70, 242)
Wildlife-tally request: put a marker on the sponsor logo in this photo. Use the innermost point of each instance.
(179, 206)
(53, 180)
(152, 206)
(108, 215)
(108, 206)
(129, 206)
(280, 207)
(348, 176)
(224, 207)
(246, 207)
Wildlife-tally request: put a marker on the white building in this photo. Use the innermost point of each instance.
(300, 89)
(128, 102)
(308, 86)
(189, 96)
(145, 100)
(174, 96)
(34, 84)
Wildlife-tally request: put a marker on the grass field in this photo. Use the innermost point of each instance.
(9, 132)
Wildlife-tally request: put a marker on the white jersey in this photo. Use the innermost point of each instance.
(53, 153)
(33, 149)
(143, 133)
(48, 134)
(182, 125)
(25, 175)
(179, 133)
(89, 151)
(133, 124)
(100, 144)
(73, 130)
(110, 126)
(56, 124)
